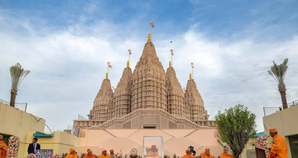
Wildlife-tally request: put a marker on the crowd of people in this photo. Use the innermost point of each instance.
(279, 149)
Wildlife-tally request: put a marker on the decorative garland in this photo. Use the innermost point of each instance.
(262, 142)
(31, 156)
(56, 156)
(13, 146)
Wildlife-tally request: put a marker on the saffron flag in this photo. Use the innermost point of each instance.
(110, 66)
(192, 66)
(172, 53)
(152, 25)
(129, 52)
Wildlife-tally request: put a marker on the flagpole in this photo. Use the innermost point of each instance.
(192, 69)
(171, 56)
(151, 28)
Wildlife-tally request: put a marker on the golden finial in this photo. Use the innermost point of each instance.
(190, 76)
(127, 64)
(149, 37)
(170, 64)
(107, 75)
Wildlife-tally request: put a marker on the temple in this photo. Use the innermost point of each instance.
(147, 90)
(147, 102)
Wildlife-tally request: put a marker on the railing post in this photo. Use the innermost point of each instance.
(26, 107)
(264, 111)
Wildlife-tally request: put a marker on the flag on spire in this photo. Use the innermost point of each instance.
(172, 53)
(192, 66)
(152, 25)
(110, 66)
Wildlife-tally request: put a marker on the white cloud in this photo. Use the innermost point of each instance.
(67, 66)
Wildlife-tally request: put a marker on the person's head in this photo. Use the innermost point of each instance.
(104, 151)
(1, 137)
(190, 147)
(111, 152)
(273, 132)
(187, 151)
(34, 140)
(225, 150)
(72, 151)
(207, 151)
(89, 152)
(153, 147)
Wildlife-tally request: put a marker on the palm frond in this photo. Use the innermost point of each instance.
(17, 74)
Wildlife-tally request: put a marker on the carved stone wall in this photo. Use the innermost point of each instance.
(175, 94)
(194, 102)
(102, 102)
(149, 87)
(122, 94)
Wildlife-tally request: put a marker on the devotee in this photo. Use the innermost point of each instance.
(104, 154)
(225, 154)
(89, 154)
(188, 154)
(279, 148)
(193, 152)
(34, 146)
(3, 148)
(112, 154)
(72, 154)
(206, 154)
(153, 152)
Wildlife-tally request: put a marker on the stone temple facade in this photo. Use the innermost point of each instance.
(148, 90)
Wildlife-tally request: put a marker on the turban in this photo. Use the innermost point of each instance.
(71, 150)
(89, 151)
(103, 149)
(187, 150)
(207, 149)
(153, 146)
(111, 150)
(272, 130)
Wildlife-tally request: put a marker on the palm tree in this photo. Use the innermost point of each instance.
(278, 72)
(17, 74)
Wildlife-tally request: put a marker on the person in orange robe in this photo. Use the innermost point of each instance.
(188, 154)
(104, 154)
(72, 154)
(112, 154)
(89, 154)
(279, 148)
(3, 148)
(153, 152)
(225, 154)
(206, 154)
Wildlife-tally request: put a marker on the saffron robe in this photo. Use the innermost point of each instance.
(102, 156)
(279, 148)
(188, 156)
(88, 156)
(71, 156)
(3, 151)
(203, 155)
(226, 155)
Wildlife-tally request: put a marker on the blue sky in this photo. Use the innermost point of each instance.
(66, 45)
